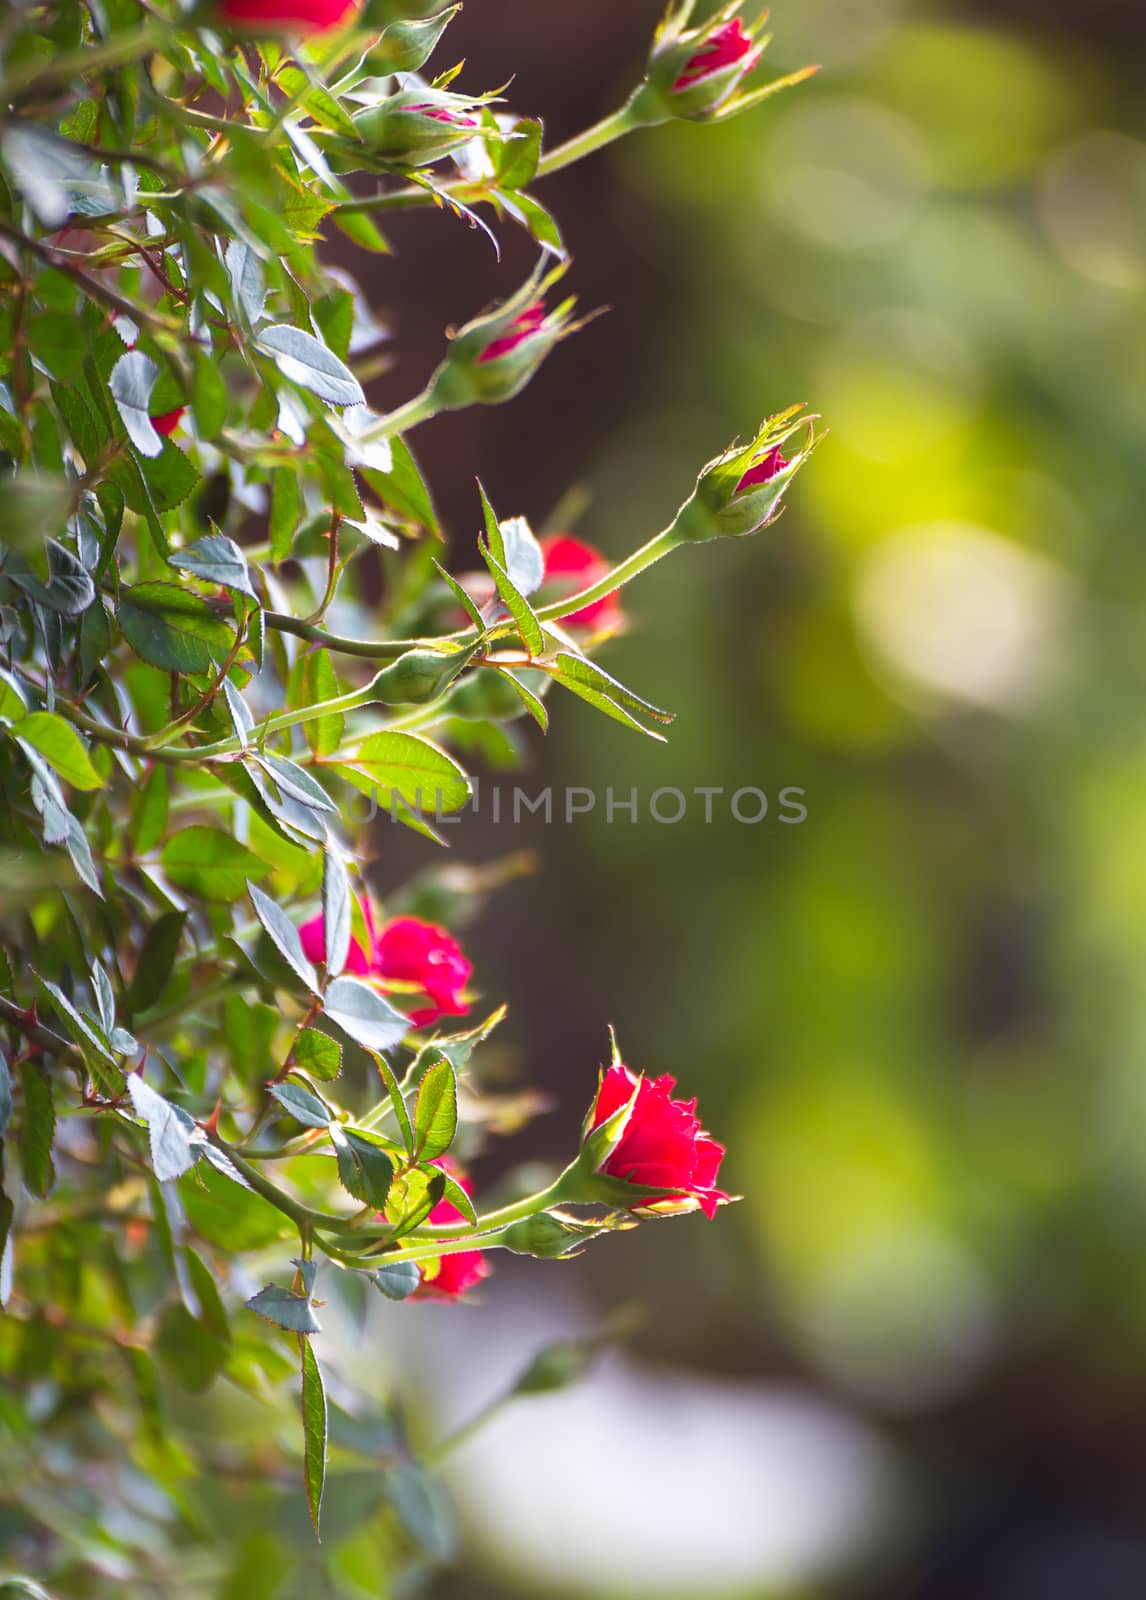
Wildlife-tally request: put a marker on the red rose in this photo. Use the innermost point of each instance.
(404, 951)
(285, 16)
(724, 48)
(457, 1273)
(663, 1146)
(763, 471)
(569, 559)
(418, 952)
(168, 421)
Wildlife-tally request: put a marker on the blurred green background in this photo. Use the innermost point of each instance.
(911, 1362)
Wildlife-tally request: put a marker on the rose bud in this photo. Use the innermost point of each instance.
(406, 44)
(570, 566)
(740, 491)
(418, 126)
(420, 676)
(167, 422)
(406, 951)
(462, 1270)
(496, 354)
(297, 17)
(695, 72)
(645, 1151)
(550, 1235)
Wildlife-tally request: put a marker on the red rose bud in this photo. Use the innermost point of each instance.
(496, 354)
(654, 1144)
(298, 17)
(696, 72)
(168, 421)
(461, 1271)
(740, 492)
(417, 127)
(408, 952)
(570, 566)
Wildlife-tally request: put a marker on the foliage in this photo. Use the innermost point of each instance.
(218, 1056)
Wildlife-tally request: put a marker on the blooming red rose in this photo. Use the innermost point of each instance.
(167, 422)
(523, 326)
(763, 471)
(663, 1146)
(725, 47)
(459, 1272)
(285, 16)
(406, 950)
(411, 951)
(573, 566)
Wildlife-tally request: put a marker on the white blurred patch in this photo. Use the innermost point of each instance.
(959, 612)
(638, 1481)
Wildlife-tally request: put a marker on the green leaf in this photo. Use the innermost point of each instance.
(317, 682)
(210, 864)
(317, 1054)
(156, 959)
(515, 603)
(171, 1131)
(313, 1431)
(61, 746)
(211, 1312)
(459, 1199)
(436, 1111)
(463, 599)
(230, 1217)
(515, 161)
(534, 217)
(413, 1195)
(399, 1281)
(95, 640)
(286, 511)
(69, 590)
(285, 1309)
(130, 384)
(284, 936)
(424, 776)
(306, 361)
(172, 628)
(149, 810)
(189, 1350)
(337, 904)
(37, 1130)
(361, 228)
(363, 1014)
(403, 489)
(5, 1094)
(364, 1168)
(12, 706)
(536, 708)
(586, 680)
(208, 396)
(300, 1104)
(576, 669)
(216, 559)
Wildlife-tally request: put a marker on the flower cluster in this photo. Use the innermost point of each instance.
(218, 1057)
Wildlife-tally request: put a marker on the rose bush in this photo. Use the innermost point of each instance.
(229, 1079)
